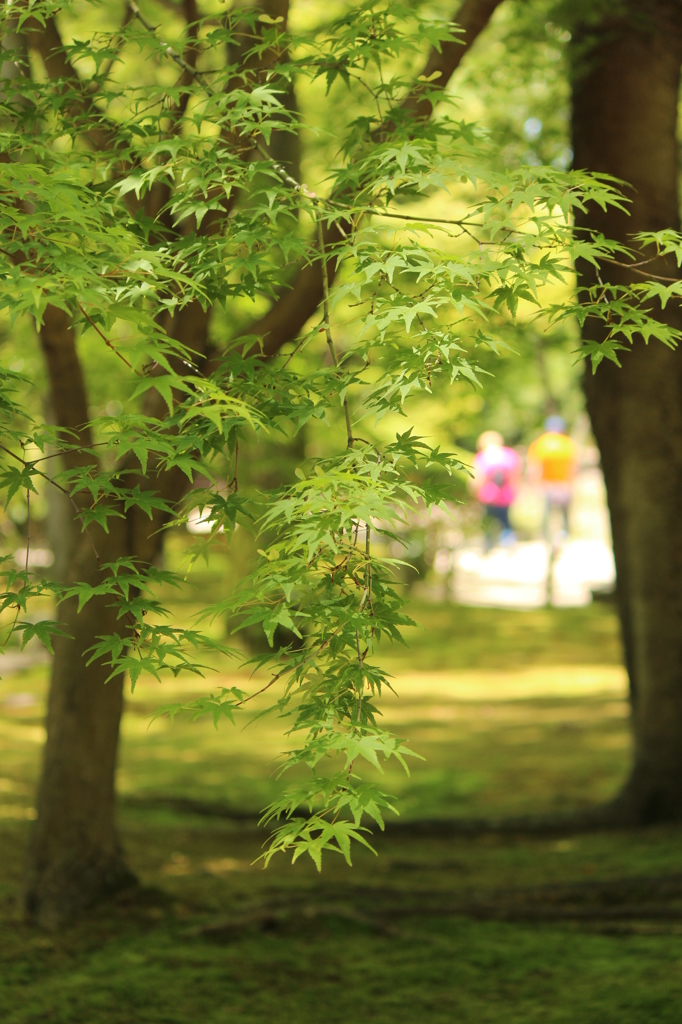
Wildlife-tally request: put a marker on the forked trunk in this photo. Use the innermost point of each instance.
(625, 93)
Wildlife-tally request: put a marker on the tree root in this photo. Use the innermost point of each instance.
(627, 905)
(187, 805)
(618, 814)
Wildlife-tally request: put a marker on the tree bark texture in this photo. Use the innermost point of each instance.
(75, 857)
(625, 83)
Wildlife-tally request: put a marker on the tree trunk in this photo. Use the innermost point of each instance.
(625, 81)
(75, 858)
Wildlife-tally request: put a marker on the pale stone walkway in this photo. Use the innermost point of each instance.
(528, 574)
(518, 576)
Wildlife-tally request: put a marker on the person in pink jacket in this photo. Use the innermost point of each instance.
(497, 471)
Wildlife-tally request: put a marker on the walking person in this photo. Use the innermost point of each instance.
(552, 462)
(497, 470)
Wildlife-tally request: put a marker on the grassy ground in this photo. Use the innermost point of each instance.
(514, 712)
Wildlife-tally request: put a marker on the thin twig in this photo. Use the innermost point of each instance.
(327, 326)
(107, 65)
(58, 455)
(290, 668)
(634, 267)
(368, 581)
(167, 48)
(28, 525)
(297, 349)
(234, 483)
(371, 212)
(107, 342)
(361, 687)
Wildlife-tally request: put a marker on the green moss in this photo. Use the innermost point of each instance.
(459, 637)
(369, 943)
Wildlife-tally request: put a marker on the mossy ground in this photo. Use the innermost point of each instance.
(513, 712)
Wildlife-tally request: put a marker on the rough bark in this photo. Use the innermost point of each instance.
(74, 855)
(625, 75)
(75, 858)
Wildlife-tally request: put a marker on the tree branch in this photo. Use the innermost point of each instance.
(106, 67)
(190, 325)
(295, 306)
(472, 17)
(158, 197)
(46, 40)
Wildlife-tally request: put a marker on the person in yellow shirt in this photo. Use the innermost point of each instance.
(552, 462)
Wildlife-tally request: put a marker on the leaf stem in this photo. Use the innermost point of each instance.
(28, 525)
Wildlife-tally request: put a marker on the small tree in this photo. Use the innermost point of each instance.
(143, 217)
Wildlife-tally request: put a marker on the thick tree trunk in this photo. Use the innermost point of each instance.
(75, 858)
(625, 92)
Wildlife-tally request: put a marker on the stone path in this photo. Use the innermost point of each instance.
(519, 576)
(529, 574)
